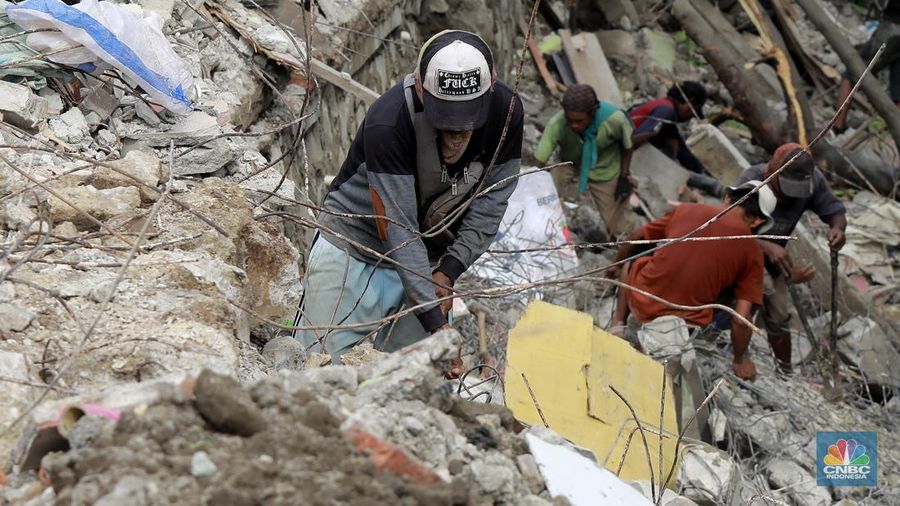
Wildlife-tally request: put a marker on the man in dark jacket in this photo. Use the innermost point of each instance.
(657, 121)
(416, 201)
(800, 187)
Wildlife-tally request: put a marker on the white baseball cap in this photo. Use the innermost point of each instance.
(767, 202)
(455, 69)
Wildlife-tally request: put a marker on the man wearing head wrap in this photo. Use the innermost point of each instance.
(800, 187)
(595, 137)
(656, 122)
(416, 201)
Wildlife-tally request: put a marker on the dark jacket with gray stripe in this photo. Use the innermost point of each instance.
(393, 170)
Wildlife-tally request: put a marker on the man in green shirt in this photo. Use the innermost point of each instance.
(595, 137)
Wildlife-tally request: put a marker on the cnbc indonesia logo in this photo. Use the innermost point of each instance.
(847, 461)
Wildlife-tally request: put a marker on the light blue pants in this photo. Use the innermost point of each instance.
(341, 290)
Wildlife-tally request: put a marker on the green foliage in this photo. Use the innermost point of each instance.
(878, 127)
(691, 48)
(845, 193)
(735, 124)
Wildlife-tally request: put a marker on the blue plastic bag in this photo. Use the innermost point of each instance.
(105, 33)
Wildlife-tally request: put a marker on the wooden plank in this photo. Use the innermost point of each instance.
(344, 81)
(773, 45)
(340, 79)
(820, 71)
(590, 65)
(538, 58)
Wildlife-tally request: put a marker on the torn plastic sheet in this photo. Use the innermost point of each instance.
(107, 33)
(534, 220)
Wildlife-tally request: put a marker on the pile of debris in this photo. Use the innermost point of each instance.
(142, 242)
(390, 430)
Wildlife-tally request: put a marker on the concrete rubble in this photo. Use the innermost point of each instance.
(189, 389)
(184, 445)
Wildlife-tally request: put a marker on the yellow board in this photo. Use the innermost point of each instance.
(569, 365)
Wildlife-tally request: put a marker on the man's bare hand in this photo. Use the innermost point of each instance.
(613, 272)
(836, 238)
(802, 273)
(777, 254)
(442, 279)
(744, 368)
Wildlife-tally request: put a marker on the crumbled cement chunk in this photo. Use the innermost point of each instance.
(101, 204)
(15, 317)
(71, 126)
(797, 482)
(202, 465)
(227, 406)
(284, 352)
(21, 107)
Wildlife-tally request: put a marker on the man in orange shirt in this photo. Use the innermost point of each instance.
(696, 273)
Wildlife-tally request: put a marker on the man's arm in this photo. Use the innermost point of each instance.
(626, 162)
(742, 364)
(836, 237)
(776, 253)
(627, 250)
(830, 210)
(392, 188)
(653, 124)
(549, 139)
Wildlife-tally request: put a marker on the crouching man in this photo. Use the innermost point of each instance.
(415, 203)
(695, 273)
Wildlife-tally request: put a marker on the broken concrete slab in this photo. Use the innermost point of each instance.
(316, 361)
(660, 179)
(100, 102)
(361, 355)
(863, 343)
(766, 429)
(189, 130)
(101, 204)
(14, 317)
(660, 48)
(226, 406)
(284, 352)
(590, 65)
(21, 107)
(146, 113)
(618, 45)
(797, 483)
(16, 396)
(71, 127)
(205, 159)
(7, 290)
(717, 153)
(19, 215)
(529, 469)
(708, 475)
(143, 165)
(202, 465)
(619, 13)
